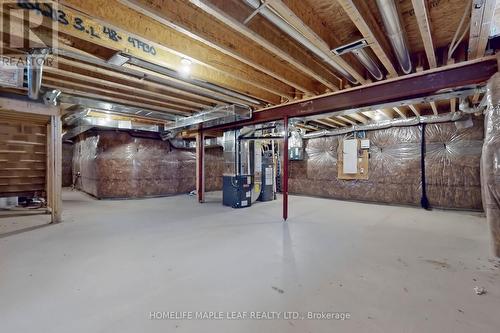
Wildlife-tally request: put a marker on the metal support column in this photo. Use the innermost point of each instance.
(285, 171)
(200, 166)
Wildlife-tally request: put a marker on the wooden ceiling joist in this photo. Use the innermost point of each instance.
(95, 82)
(312, 35)
(415, 110)
(251, 35)
(399, 112)
(194, 23)
(265, 29)
(453, 105)
(336, 122)
(58, 81)
(326, 123)
(434, 108)
(424, 25)
(480, 25)
(366, 24)
(134, 35)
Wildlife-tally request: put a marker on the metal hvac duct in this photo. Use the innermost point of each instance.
(34, 67)
(368, 63)
(452, 116)
(292, 32)
(394, 29)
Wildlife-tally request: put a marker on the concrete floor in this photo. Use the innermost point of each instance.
(111, 263)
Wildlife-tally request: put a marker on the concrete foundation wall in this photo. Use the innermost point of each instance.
(452, 167)
(115, 164)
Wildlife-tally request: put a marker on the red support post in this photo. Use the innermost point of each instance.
(285, 171)
(200, 165)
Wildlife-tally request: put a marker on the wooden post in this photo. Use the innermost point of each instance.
(285, 171)
(200, 166)
(54, 168)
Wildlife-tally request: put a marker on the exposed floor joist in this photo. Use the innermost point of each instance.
(371, 31)
(424, 25)
(194, 23)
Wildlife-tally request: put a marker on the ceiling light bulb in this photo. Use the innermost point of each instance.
(185, 69)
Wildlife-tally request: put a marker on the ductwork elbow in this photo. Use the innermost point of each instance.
(395, 32)
(34, 68)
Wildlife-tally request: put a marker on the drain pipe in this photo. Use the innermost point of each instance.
(394, 29)
(290, 30)
(34, 67)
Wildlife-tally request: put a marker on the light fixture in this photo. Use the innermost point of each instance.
(118, 59)
(185, 69)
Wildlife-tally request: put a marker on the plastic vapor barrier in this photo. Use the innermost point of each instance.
(115, 164)
(490, 171)
(452, 167)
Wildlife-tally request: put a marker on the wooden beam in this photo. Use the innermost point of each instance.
(189, 20)
(112, 30)
(369, 28)
(55, 168)
(25, 105)
(424, 25)
(434, 107)
(480, 25)
(399, 112)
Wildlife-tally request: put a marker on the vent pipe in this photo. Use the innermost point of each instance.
(292, 32)
(34, 67)
(394, 29)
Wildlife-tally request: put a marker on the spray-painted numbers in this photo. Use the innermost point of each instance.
(112, 34)
(83, 25)
(138, 44)
(46, 10)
